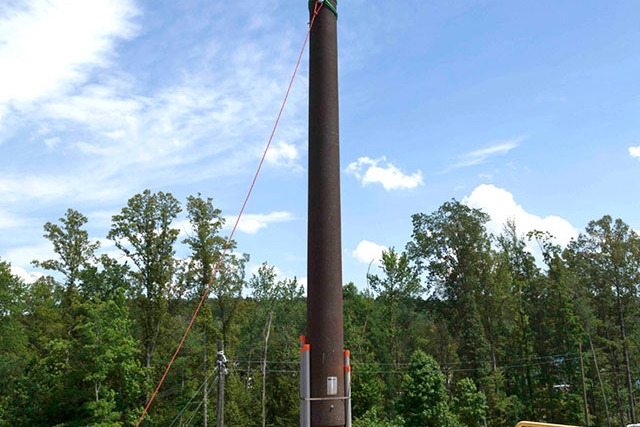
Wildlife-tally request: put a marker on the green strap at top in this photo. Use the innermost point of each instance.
(328, 4)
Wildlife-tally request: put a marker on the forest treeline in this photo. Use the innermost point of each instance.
(459, 328)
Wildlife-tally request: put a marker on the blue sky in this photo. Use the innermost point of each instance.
(527, 110)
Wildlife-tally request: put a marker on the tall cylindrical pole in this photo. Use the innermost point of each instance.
(324, 253)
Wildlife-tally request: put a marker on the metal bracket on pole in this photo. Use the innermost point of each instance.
(315, 399)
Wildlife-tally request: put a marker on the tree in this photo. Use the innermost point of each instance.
(143, 232)
(13, 340)
(396, 291)
(277, 317)
(396, 317)
(206, 243)
(452, 248)
(108, 359)
(515, 276)
(469, 404)
(607, 260)
(206, 246)
(424, 402)
(73, 246)
(41, 399)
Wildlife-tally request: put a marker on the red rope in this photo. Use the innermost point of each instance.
(316, 9)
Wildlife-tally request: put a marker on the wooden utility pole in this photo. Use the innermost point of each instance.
(584, 389)
(264, 369)
(324, 251)
(205, 396)
(604, 395)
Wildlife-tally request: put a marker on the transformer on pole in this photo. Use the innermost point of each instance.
(324, 251)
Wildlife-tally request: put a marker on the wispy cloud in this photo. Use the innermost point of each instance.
(252, 223)
(634, 151)
(118, 133)
(380, 171)
(483, 155)
(48, 45)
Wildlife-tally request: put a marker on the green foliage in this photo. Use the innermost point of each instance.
(462, 329)
(109, 357)
(469, 404)
(452, 247)
(374, 419)
(142, 231)
(424, 402)
(206, 244)
(72, 245)
(13, 340)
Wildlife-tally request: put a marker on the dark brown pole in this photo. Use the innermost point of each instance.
(324, 251)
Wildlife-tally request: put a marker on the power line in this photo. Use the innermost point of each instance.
(535, 361)
(192, 397)
(195, 411)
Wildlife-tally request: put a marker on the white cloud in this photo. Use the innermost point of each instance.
(368, 251)
(115, 129)
(477, 157)
(500, 205)
(283, 154)
(370, 171)
(252, 223)
(47, 45)
(634, 151)
(181, 127)
(28, 277)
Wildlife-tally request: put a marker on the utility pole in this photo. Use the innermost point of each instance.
(222, 371)
(205, 397)
(324, 251)
(584, 388)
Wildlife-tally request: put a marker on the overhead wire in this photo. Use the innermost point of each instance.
(193, 396)
(317, 7)
(534, 361)
(195, 411)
